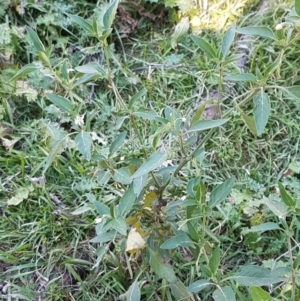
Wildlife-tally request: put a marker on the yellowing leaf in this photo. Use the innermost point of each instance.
(21, 194)
(149, 199)
(131, 220)
(134, 241)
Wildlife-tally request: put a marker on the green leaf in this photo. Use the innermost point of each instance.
(179, 292)
(34, 38)
(91, 68)
(256, 276)
(258, 294)
(87, 26)
(200, 111)
(295, 166)
(261, 31)
(24, 71)
(133, 293)
(164, 271)
(84, 144)
(198, 286)
(203, 125)
(55, 150)
(104, 237)
(146, 114)
(241, 77)
(205, 47)
(122, 176)
(297, 7)
(110, 14)
(261, 111)
(287, 199)
(250, 123)
(103, 176)
(221, 192)
(116, 144)
(101, 208)
(150, 164)
(263, 227)
(180, 240)
(139, 183)
(280, 209)
(214, 260)
(61, 102)
(127, 201)
(86, 78)
(135, 97)
(119, 224)
(227, 40)
(224, 294)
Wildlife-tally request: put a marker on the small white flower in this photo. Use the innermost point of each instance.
(279, 26)
(183, 119)
(79, 120)
(122, 158)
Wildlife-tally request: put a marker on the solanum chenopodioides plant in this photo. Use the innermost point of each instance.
(258, 85)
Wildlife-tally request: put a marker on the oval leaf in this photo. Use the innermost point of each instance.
(122, 176)
(180, 240)
(261, 111)
(61, 102)
(227, 40)
(261, 31)
(263, 227)
(203, 125)
(221, 192)
(133, 293)
(117, 143)
(242, 77)
(84, 144)
(205, 47)
(198, 286)
(258, 294)
(256, 276)
(224, 294)
(150, 164)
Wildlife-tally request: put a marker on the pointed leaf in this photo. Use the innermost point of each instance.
(88, 27)
(104, 237)
(133, 293)
(250, 123)
(119, 225)
(34, 38)
(91, 68)
(199, 111)
(261, 31)
(24, 71)
(224, 294)
(280, 209)
(135, 97)
(227, 40)
(258, 294)
(103, 176)
(297, 7)
(256, 276)
(61, 102)
(287, 199)
(139, 183)
(198, 286)
(203, 125)
(127, 201)
(214, 260)
(117, 143)
(221, 192)
(181, 29)
(180, 240)
(205, 47)
(122, 176)
(101, 208)
(263, 227)
(84, 144)
(150, 164)
(261, 111)
(179, 291)
(110, 14)
(164, 271)
(146, 114)
(242, 77)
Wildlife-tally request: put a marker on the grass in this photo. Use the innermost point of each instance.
(53, 187)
